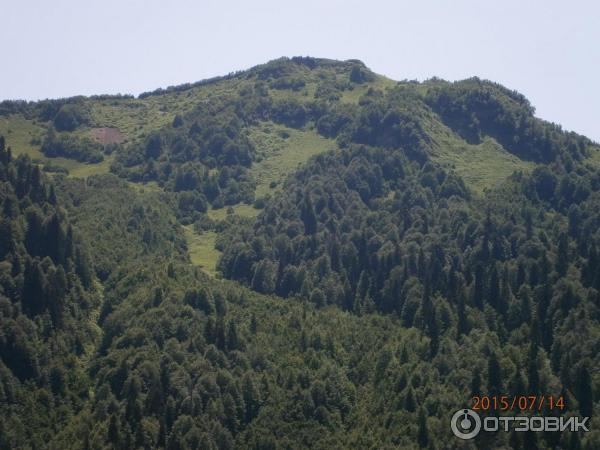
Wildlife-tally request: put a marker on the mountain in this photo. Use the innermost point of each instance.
(305, 254)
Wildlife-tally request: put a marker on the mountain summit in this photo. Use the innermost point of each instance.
(305, 254)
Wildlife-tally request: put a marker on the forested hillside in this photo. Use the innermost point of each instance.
(47, 306)
(301, 255)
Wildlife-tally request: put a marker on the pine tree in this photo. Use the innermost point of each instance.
(494, 289)
(308, 216)
(532, 369)
(5, 156)
(494, 375)
(34, 237)
(562, 257)
(462, 326)
(229, 409)
(7, 243)
(583, 391)
(591, 269)
(57, 290)
(251, 397)
(114, 433)
(158, 297)
(423, 431)
(220, 339)
(525, 305)
(54, 239)
(478, 291)
(517, 384)
(209, 330)
(34, 288)
(233, 342)
(83, 266)
(430, 322)
(409, 400)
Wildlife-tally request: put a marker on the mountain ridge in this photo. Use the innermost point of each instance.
(102, 112)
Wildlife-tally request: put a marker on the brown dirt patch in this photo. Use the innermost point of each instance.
(107, 135)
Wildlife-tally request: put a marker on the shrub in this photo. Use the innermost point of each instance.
(79, 149)
(71, 116)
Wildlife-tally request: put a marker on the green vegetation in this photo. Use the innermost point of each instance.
(301, 255)
(483, 165)
(82, 150)
(201, 248)
(280, 151)
(594, 157)
(22, 133)
(378, 82)
(26, 137)
(241, 209)
(71, 116)
(47, 304)
(86, 170)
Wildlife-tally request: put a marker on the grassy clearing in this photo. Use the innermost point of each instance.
(305, 94)
(282, 150)
(81, 170)
(136, 118)
(150, 186)
(359, 90)
(202, 251)
(241, 209)
(19, 132)
(594, 157)
(481, 166)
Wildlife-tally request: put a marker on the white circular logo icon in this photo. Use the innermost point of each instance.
(465, 424)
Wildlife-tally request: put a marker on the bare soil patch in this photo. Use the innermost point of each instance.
(107, 135)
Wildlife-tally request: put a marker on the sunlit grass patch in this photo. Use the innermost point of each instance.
(202, 251)
(282, 150)
(241, 209)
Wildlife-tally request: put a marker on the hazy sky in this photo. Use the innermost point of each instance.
(549, 50)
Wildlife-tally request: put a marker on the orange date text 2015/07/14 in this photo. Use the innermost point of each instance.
(517, 402)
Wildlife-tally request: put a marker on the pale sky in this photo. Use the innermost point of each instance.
(549, 50)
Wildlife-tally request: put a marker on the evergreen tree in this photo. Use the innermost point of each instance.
(562, 257)
(583, 391)
(423, 431)
(495, 384)
(308, 215)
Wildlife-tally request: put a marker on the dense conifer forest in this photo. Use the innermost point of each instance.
(305, 254)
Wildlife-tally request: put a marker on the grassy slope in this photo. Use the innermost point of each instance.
(134, 117)
(201, 247)
(137, 117)
(19, 133)
(282, 150)
(380, 82)
(594, 157)
(481, 166)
